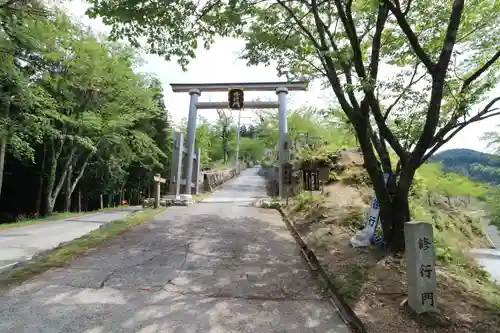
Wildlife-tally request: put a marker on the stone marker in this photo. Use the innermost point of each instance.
(158, 180)
(420, 253)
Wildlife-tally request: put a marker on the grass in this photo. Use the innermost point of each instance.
(54, 217)
(350, 285)
(60, 256)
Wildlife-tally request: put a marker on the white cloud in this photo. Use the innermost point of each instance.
(220, 64)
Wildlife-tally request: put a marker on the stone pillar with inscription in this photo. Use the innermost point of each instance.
(157, 190)
(421, 257)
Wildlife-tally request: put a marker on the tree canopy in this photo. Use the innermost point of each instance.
(75, 117)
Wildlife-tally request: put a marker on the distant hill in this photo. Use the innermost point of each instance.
(470, 163)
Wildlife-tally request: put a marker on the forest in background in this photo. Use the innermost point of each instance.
(473, 164)
(76, 120)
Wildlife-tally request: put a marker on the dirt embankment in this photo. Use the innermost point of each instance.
(373, 282)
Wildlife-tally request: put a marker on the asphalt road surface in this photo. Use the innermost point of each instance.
(21, 243)
(490, 258)
(213, 267)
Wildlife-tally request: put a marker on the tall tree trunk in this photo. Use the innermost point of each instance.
(38, 202)
(51, 178)
(224, 144)
(79, 200)
(67, 192)
(122, 192)
(400, 215)
(3, 149)
(72, 185)
(52, 190)
(85, 201)
(401, 208)
(129, 194)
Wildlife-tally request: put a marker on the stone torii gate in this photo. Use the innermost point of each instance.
(195, 90)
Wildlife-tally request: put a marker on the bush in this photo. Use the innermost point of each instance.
(305, 200)
(324, 156)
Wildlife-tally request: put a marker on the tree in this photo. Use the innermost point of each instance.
(17, 94)
(251, 149)
(74, 117)
(443, 57)
(224, 122)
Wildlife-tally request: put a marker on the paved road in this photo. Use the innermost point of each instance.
(490, 258)
(212, 267)
(17, 244)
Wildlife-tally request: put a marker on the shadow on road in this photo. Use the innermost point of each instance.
(205, 268)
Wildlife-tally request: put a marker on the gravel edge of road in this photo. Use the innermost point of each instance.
(345, 311)
(7, 272)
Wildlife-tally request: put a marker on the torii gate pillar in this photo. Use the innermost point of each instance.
(191, 135)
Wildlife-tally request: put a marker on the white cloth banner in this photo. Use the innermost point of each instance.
(363, 236)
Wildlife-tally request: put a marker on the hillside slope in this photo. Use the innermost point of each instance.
(374, 284)
(473, 164)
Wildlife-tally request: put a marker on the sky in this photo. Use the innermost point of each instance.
(220, 64)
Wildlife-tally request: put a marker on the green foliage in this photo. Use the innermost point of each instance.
(470, 163)
(218, 143)
(430, 178)
(251, 149)
(322, 156)
(305, 200)
(74, 116)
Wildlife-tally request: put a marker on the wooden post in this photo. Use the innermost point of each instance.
(101, 200)
(421, 258)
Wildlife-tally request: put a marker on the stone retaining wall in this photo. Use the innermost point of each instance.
(212, 180)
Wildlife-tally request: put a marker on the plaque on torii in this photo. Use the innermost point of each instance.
(236, 98)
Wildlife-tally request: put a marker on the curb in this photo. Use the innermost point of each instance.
(345, 311)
